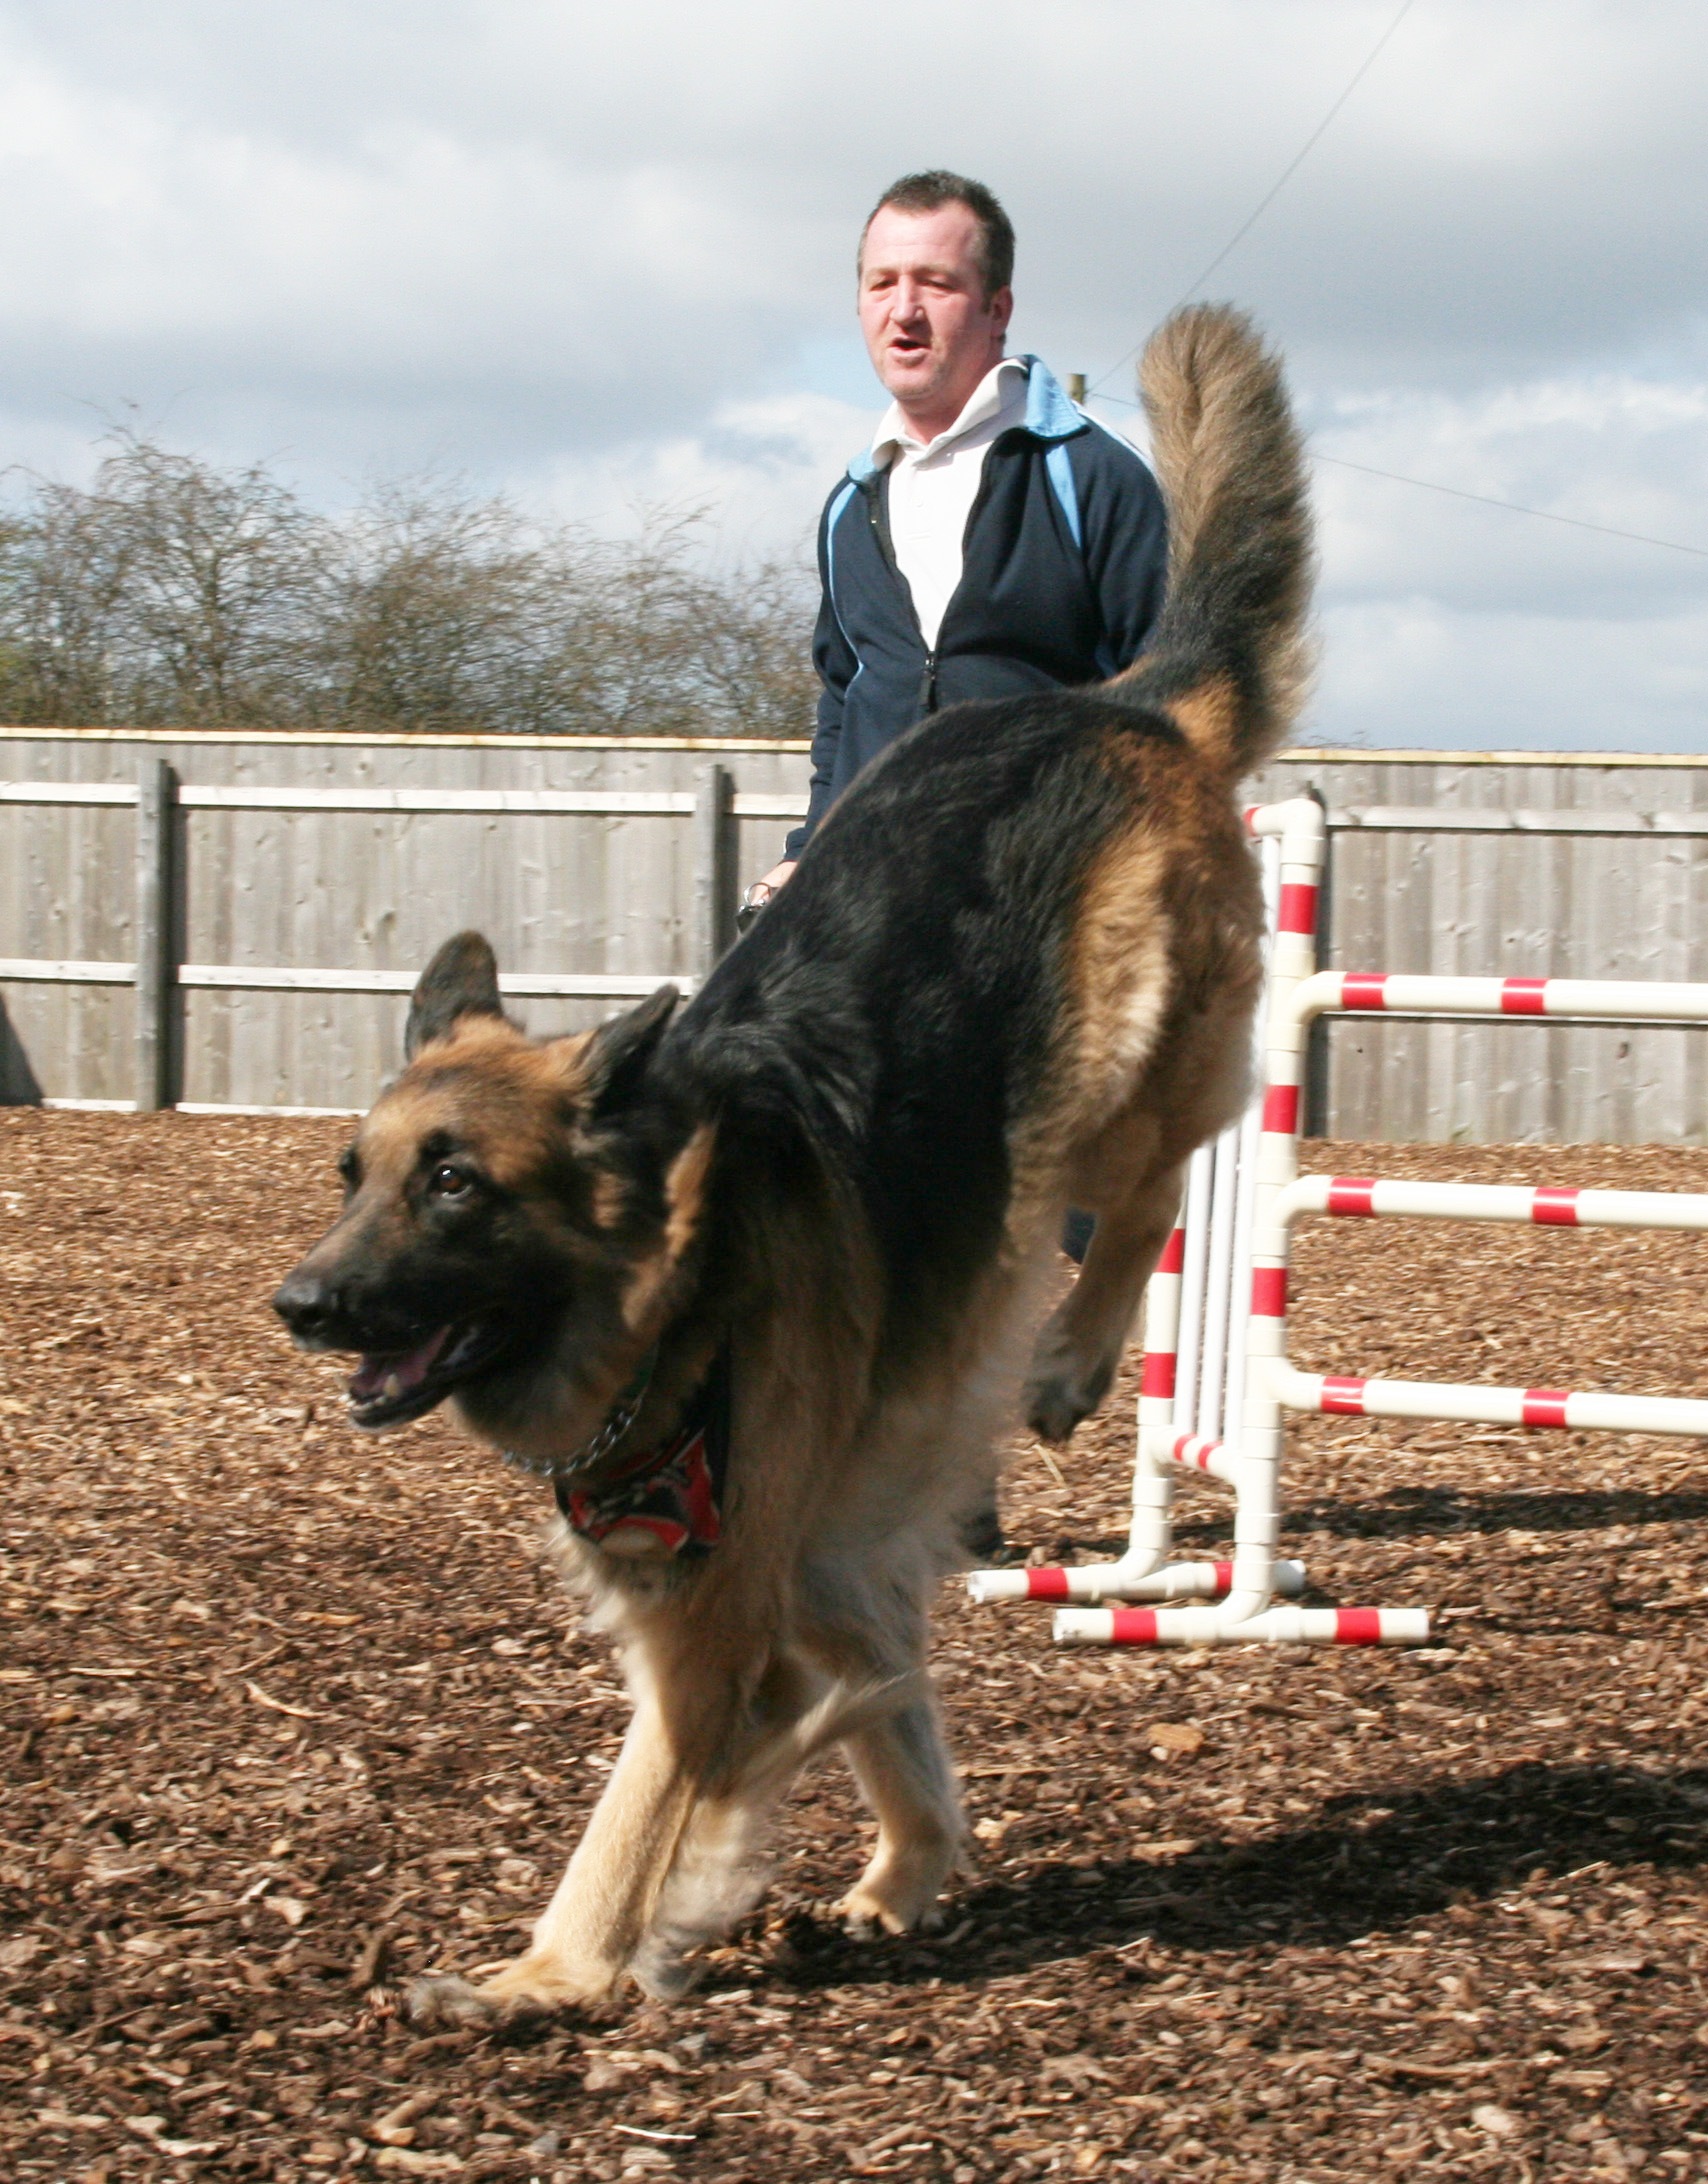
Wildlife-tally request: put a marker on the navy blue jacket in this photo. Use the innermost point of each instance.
(1062, 574)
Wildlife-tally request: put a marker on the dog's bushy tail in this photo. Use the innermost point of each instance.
(1229, 658)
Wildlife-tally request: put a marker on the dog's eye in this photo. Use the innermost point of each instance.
(448, 1182)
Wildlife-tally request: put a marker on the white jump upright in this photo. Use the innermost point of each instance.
(1216, 1379)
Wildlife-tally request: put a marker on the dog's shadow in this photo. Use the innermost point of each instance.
(1373, 1861)
(1405, 1512)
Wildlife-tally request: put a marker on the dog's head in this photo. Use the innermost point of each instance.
(518, 1221)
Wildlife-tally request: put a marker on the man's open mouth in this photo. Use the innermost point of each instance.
(390, 1387)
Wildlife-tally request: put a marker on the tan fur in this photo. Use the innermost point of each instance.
(1166, 971)
(1231, 464)
(1208, 715)
(684, 1190)
(1121, 975)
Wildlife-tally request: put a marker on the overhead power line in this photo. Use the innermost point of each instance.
(1280, 183)
(1546, 515)
(1488, 500)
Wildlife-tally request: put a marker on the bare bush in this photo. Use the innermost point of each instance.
(172, 593)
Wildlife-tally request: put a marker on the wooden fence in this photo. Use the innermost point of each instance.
(223, 921)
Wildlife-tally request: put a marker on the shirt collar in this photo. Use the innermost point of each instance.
(1002, 387)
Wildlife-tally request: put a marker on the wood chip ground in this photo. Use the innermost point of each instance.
(288, 1714)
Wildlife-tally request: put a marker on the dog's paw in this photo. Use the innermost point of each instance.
(531, 1986)
(874, 1923)
(864, 1920)
(1063, 1385)
(664, 1973)
(441, 2002)
(1056, 1402)
(1053, 1409)
(890, 1905)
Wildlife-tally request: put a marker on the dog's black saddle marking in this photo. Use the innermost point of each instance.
(669, 1497)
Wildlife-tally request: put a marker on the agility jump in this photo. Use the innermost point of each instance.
(1216, 1378)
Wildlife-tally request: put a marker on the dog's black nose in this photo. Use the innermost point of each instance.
(307, 1305)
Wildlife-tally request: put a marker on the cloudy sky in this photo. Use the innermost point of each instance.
(601, 256)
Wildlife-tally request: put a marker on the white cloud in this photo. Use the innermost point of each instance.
(1453, 623)
(759, 471)
(1409, 672)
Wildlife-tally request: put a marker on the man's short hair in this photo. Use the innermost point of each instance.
(937, 187)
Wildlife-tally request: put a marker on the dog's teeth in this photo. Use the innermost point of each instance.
(393, 1387)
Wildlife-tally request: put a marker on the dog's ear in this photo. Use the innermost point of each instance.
(461, 980)
(614, 1059)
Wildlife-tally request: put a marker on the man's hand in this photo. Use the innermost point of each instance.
(760, 893)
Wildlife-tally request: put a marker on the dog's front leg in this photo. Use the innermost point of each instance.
(695, 1686)
(584, 1938)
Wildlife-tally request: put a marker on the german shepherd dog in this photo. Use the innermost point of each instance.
(753, 1280)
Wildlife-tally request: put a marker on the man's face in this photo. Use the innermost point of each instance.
(931, 331)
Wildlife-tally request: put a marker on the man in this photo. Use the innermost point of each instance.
(995, 539)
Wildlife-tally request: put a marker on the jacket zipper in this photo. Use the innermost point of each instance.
(886, 546)
(928, 681)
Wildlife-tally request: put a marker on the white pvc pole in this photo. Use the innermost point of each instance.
(1245, 1206)
(1192, 1274)
(1224, 1186)
(1214, 1626)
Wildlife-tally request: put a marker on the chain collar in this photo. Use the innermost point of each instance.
(618, 1419)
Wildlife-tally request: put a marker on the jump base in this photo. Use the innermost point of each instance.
(1210, 1626)
(1092, 1581)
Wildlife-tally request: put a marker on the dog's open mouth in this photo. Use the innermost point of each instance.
(390, 1387)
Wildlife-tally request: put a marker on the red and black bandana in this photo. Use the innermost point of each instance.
(667, 1497)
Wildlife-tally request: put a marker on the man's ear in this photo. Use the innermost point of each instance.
(461, 980)
(616, 1056)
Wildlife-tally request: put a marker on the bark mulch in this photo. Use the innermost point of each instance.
(288, 1714)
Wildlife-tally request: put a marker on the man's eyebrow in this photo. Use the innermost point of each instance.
(943, 270)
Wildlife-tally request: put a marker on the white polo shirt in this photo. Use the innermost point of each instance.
(933, 485)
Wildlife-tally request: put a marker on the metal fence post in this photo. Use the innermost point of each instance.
(156, 926)
(714, 866)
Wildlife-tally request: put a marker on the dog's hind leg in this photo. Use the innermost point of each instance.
(1080, 1345)
(902, 1767)
(721, 1862)
(722, 1865)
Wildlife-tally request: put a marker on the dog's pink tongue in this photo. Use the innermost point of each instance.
(396, 1375)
